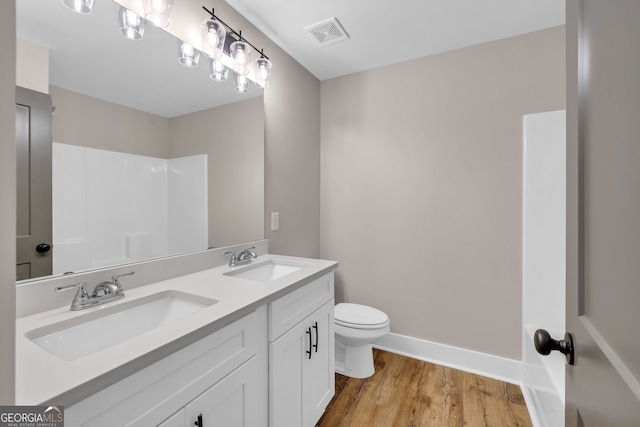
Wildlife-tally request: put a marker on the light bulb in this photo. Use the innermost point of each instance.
(241, 54)
(217, 70)
(187, 54)
(157, 12)
(241, 83)
(213, 36)
(158, 5)
(131, 25)
(263, 72)
(80, 6)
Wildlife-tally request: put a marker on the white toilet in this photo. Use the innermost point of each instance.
(357, 327)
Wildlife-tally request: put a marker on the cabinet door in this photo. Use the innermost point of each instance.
(287, 361)
(301, 371)
(231, 402)
(320, 381)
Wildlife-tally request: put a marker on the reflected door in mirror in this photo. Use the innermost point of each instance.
(33, 147)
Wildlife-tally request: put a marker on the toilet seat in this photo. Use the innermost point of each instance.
(359, 316)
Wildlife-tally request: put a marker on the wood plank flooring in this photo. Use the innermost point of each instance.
(406, 392)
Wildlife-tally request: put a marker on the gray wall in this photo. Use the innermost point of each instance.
(8, 196)
(233, 138)
(91, 122)
(422, 188)
(292, 157)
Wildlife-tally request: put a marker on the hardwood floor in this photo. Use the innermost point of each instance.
(409, 392)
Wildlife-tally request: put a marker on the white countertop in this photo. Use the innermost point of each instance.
(43, 378)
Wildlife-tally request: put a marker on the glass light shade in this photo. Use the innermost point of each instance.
(157, 12)
(187, 54)
(131, 25)
(217, 70)
(263, 72)
(241, 83)
(241, 54)
(80, 6)
(213, 35)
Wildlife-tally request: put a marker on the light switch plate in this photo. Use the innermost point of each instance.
(275, 221)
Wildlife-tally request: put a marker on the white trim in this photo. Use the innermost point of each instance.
(533, 406)
(488, 365)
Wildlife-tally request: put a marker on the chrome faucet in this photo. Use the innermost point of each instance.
(244, 257)
(103, 292)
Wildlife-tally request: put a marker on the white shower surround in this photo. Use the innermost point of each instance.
(543, 262)
(113, 208)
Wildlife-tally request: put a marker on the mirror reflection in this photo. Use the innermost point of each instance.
(126, 111)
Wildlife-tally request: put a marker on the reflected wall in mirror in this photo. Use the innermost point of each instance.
(111, 93)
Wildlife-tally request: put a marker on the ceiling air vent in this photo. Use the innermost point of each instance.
(328, 32)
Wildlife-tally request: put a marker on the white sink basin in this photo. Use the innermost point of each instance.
(110, 325)
(267, 271)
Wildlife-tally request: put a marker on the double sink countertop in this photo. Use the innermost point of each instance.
(43, 378)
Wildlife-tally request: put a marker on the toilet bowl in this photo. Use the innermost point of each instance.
(357, 327)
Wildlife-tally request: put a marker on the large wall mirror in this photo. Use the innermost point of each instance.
(124, 110)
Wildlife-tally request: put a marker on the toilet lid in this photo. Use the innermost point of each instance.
(359, 316)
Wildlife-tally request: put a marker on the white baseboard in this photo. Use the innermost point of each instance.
(500, 368)
(532, 406)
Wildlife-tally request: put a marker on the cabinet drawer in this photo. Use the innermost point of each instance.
(151, 395)
(287, 311)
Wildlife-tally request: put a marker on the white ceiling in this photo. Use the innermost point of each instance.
(383, 32)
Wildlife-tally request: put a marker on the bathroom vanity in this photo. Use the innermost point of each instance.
(255, 348)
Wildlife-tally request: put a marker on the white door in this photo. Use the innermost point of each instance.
(543, 261)
(603, 212)
(287, 364)
(321, 380)
(33, 176)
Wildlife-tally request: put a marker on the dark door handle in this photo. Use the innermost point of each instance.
(315, 346)
(310, 343)
(545, 345)
(42, 248)
(199, 422)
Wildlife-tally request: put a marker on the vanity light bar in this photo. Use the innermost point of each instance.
(234, 32)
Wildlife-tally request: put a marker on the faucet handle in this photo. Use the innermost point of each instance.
(69, 287)
(247, 254)
(117, 284)
(117, 276)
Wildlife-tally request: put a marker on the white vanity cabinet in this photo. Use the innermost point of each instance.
(273, 367)
(222, 376)
(301, 354)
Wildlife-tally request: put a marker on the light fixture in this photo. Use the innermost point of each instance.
(263, 72)
(213, 36)
(131, 25)
(241, 55)
(187, 54)
(239, 51)
(241, 83)
(157, 12)
(217, 70)
(80, 6)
